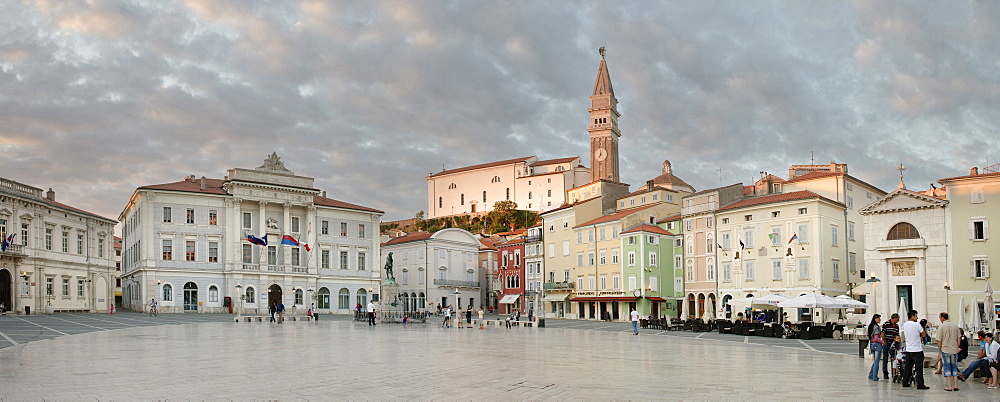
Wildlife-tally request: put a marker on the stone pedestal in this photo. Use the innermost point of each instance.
(390, 306)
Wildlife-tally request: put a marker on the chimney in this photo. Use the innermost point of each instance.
(649, 184)
(324, 193)
(974, 171)
(202, 183)
(50, 195)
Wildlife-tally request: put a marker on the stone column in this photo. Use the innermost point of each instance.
(312, 263)
(286, 225)
(263, 231)
(235, 226)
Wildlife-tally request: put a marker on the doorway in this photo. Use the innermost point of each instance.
(274, 295)
(6, 289)
(905, 292)
(190, 296)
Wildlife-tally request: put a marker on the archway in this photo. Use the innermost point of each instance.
(273, 295)
(190, 296)
(6, 289)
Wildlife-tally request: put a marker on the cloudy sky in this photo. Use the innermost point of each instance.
(100, 97)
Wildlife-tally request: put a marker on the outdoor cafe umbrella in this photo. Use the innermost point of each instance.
(851, 302)
(684, 310)
(813, 300)
(975, 322)
(991, 313)
(709, 312)
(902, 310)
(961, 313)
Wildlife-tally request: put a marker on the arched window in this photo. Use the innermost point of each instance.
(168, 292)
(362, 297)
(213, 294)
(496, 179)
(251, 295)
(344, 299)
(323, 298)
(421, 300)
(298, 297)
(901, 231)
(462, 202)
(726, 306)
(559, 168)
(452, 186)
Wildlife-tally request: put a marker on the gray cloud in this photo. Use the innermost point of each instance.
(98, 98)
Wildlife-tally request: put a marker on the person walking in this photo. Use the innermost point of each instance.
(875, 343)
(371, 313)
(281, 312)
(635, 321)
(272, 309)
(111, 310)
(152, 307)
(482, 316)
(948, 341)
(890, 330)
(447, 317)
(315, 314)
(468, 316)
(913, 335)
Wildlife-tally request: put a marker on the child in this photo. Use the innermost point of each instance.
(896, 354)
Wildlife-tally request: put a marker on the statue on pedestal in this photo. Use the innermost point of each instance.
(388, 267)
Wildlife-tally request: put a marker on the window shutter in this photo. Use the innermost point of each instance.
(986, 269)
(986, 229)
(972, 230)
(972, 268)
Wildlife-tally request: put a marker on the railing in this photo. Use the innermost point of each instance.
(705, 206)
(351, 273)
(15, 249)
(20, 188)
(300, 269)
(558, 285)
(531, 239)
(276, 268)
(459, 284)
(251, 267)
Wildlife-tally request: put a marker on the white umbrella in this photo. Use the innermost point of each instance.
(961, 313)
(709, 312)
(902, 310)
(851, 302)
(991, 313)
(975, 322)
(813, 300)
(684, 310)
(771, 300)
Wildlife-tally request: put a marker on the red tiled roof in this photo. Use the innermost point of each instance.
(415, 236)
(615, 216)
(568, 205)
(480, 166)
(814, 175)
(768, 199)
(555, 161)
(645, 227)
(646, 191)
(670, 218)
(78, 210)
(486, 244)
(542, 174)
(595, 181)
(514, 241)
(212, 186)
(328, 202)
(971, 176)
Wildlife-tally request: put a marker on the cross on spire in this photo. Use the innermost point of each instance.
(901, 169)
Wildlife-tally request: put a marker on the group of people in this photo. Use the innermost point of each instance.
(901, 347)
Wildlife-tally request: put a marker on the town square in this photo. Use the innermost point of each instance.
(207, 199)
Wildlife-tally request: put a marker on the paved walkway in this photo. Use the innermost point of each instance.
(342, 359)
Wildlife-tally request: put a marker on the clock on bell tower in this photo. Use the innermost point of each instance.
(603, 127)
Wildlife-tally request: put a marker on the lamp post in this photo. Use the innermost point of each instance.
(457, 293)
(874, 281)
(24, 280)
(239, 307)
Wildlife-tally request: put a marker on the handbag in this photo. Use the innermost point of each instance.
(877, 338)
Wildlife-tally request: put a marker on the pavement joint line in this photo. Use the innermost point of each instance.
(113, 322)
(701, 335)
(80, 323)
(807, 345)
(40, 325)
(8, 338)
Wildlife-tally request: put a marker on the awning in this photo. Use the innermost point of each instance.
(604, 299)
(558, 297)
(509, 299)
(657, 299)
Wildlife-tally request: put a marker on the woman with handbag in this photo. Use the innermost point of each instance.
(875, 343)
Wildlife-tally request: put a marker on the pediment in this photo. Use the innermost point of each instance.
(5, 212)
(903, 200)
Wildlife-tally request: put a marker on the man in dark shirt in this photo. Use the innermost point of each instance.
(889, 331)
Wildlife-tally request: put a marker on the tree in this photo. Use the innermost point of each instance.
(504, 206)
(419, 217)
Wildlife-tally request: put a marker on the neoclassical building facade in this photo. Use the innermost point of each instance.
(185, 245)
(60, 256)
(436, 269)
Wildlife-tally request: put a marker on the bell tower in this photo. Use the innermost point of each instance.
(603, 127)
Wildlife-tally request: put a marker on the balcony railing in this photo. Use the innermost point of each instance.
(15, 249)
(275, 268)
(251, 267)
(532, 239)
(300, 269)
(559, 285)
(706, 206)
(458, 284)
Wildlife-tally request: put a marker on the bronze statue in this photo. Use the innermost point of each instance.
(388, 267)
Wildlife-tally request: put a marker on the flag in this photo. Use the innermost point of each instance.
(795, 236)
(306, 245)
(260, 241)
(717, 244)
(7, 242)
(289, 240)
(770, 236)
(742, 246)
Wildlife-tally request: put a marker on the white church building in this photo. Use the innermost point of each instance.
(185, 245)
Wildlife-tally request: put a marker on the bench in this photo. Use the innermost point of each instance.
(500, 323)
(267, 318)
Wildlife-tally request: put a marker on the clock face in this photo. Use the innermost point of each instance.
(600, 154)
(637, 293)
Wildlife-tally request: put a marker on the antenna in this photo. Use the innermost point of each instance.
(720, 176)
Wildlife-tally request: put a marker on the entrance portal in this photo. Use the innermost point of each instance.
(273, 295)
(190, 296)
(6, 289)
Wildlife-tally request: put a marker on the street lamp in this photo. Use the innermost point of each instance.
(24, 277)
(239, 311)
(874, 281)
(457, 293)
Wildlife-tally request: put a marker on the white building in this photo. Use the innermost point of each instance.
(60, 257)
(185, 244)
(440, 268)
(533, 184)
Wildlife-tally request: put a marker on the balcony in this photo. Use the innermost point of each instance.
(694, 209)
(559, 285)
(275, 268)
(532, 239)
(455, 283)
(902, 244)
(300, 270)
(14, 249)
(251, 267)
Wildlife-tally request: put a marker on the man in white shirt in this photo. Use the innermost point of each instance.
(913, 333)
(371, 313)
(992, 347)
(635, 321)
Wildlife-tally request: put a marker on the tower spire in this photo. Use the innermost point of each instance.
(603, 126)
